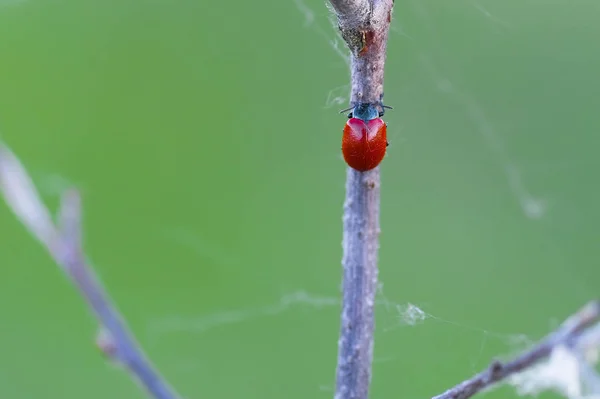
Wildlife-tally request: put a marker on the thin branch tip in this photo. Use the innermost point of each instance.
(72, 195)
(63, 242)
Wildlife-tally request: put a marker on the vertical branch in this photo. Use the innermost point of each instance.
(364, 25)
(360, 245)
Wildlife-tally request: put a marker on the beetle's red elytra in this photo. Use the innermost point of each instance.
(364, 143)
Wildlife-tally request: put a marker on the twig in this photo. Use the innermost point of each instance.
(364, 25)
(351, 13)
(572, 333)
(64, 245)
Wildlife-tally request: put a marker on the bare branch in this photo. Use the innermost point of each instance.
(351, 13)
(368, 60)
(364, 25)
(572, 333)
(361, 242)
(20, 194)
(69, 218)
(65, 247)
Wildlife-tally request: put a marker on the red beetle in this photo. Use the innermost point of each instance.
(364, 141)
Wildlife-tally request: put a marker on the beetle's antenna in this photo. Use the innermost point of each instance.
(383, 108)
(346, 110)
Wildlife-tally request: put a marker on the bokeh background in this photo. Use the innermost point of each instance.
(205, 137)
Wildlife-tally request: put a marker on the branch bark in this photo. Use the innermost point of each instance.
(364, 25)
(574, 333)
(64, 245)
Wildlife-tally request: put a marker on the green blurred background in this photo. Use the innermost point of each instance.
(205, 137)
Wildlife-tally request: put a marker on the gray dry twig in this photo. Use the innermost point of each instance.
(579, 332)
(364, 25)
(64, 245)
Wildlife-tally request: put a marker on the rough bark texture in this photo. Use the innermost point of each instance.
(364, 25)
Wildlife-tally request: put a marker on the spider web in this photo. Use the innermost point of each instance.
(392, 316)
(563, 372)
